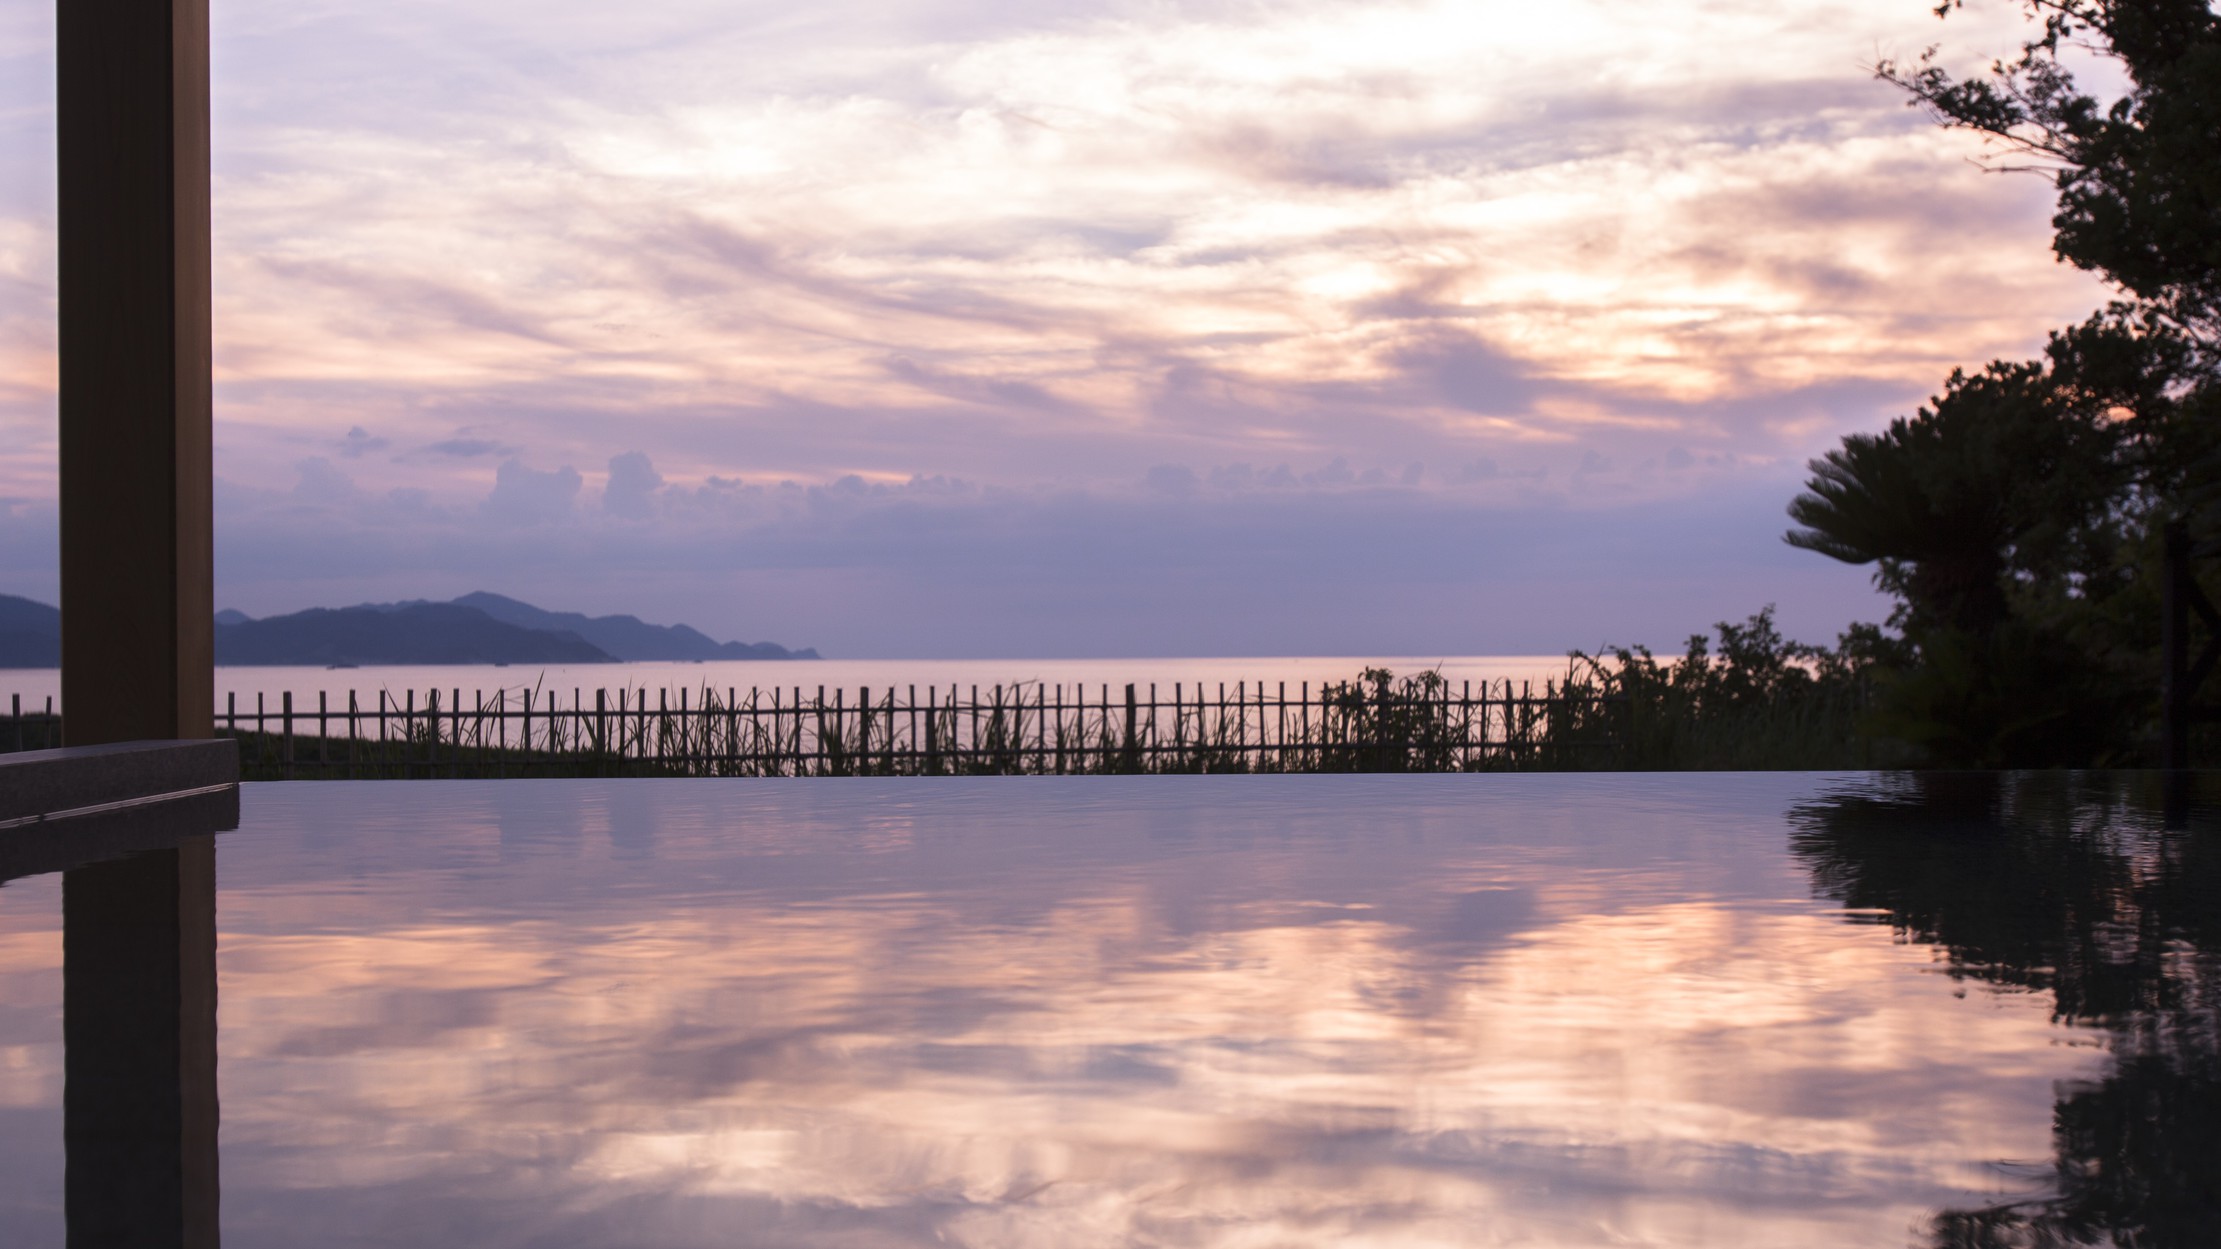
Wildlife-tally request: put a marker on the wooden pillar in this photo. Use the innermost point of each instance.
(139, 952)
(137, 581)
(139, 1106)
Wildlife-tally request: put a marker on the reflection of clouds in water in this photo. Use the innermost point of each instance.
(31, 1061)
(1462, 1044)
(30, 977)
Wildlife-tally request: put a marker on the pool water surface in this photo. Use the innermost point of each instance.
(1688, 1010)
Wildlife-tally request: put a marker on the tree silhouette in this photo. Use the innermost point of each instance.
(2016, 517)
(2139, 177)
(1988, 482)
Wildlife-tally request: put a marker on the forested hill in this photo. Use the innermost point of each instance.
(30, 634)
(627, 637)
(477, 628)
(421, 633)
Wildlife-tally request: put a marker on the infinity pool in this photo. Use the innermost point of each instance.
(1693, 1010)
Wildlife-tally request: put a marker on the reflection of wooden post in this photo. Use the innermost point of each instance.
(137, 597)
(139, 1035)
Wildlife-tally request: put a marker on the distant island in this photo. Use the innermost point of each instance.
(478, 628)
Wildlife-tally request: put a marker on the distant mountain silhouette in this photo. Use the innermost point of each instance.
(418, 633)
(627, 637)
(30, 634)
(477, 628)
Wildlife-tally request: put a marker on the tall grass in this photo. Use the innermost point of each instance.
(1756, 702)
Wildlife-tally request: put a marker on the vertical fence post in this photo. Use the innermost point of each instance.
(933, 731)
(286, 767)
(1132, 749)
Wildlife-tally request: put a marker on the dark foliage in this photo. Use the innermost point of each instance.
(1759, 701)
(2017, 517)
(2006, 475)
(2139, 176)
(2079, 890)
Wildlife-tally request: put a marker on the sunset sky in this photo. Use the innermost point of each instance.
(1084, 327)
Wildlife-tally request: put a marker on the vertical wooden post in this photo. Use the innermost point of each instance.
(131, 119)
(1133, 746)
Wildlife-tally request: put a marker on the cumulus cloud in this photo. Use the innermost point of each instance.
(322, 482)
(630, 490)
(359, 443)
(525, 496)
(1225, 564)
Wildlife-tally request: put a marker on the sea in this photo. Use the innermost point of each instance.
(35, 689)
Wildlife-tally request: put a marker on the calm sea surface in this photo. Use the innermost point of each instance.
(1689, 1010)
(36, 685)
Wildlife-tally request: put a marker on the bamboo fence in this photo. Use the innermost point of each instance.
(1418, 724)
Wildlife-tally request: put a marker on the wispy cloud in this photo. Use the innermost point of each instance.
(1057, 248)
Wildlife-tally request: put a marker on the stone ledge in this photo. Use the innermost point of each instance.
(41, 785)
(59, 845)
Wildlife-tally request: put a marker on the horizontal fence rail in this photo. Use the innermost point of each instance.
(1416, 724)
